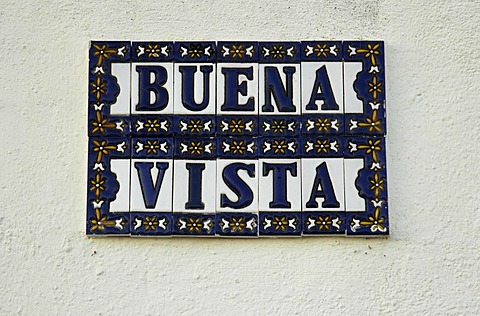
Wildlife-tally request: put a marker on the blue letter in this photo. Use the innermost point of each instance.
(195, 186)
(280, 182)
(323, 82)
(274, 86)
(232, 88)
(145, 86)
(237, 185)
(322, 178)
(150, 191)
(188, 91)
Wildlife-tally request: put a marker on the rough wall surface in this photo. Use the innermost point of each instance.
(429, 265)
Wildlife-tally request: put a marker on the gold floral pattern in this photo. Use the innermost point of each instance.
(237, 51)
(238, 147)
(102, 148)
(195, 148)
(279, 146)
(321, 145)
(375, 222)
(322, 125)
(324, 223)
(236, 126)
(100, 221)
(150, 223)
(278, 51)
(152, 125)
(102, 52)
(99, 87)
(97, 184)
(237, 224)
(278, 126)
(280, 223)
(153, 50)
(194, 224)
(195, 126)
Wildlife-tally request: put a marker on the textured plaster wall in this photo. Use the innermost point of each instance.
(429, 265)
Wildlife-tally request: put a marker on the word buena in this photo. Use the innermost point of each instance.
(237, 139)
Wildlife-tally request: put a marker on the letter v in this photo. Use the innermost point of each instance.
(150, 190)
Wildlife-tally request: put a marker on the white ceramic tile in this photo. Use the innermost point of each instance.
(244, 87)
(162, 202)
(316, 75)
(285, 180)
(121, 169)
(350, 71)
(294, 84)
(166, 88)
(199, 82)
(353, 201)
(184, 185)
(121, 71)
(323, 169)
(239, 180)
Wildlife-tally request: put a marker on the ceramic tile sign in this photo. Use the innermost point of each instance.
(237, 139)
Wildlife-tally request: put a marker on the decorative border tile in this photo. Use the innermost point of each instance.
(237, 52)
(277, 224)
(323, 223)
(186, 224)
(369, 86)
(195, 51)
(151, 224)
(103, 186)
(104, 88)
(279, 52)
(237, 224)
(371, 185)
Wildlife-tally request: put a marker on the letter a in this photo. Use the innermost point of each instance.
(322, 179)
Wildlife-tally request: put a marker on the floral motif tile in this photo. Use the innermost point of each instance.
(237, 139)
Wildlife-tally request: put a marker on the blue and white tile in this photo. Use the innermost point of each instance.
(237, 186)
(152, 89)
(195, 174)
(195, 52)
(279, 52)
(109, 89)
(279, 125)
(195, 78)
(194, 225)
(237, 52)
(151, 176)
(240, 148)
(108, 186)
(366, 198)
(280, 194)
(322, 87)
(235, 224)
(194, 125)
(237, 125)
(364, 88)
(151, 224)
(280, 224)
(279, 147)
(237, 98)
(192, 186)
(279, 78)
(195, 148)
(323, 185)
(152, 125)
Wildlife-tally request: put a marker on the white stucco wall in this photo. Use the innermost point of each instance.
(429, 265)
